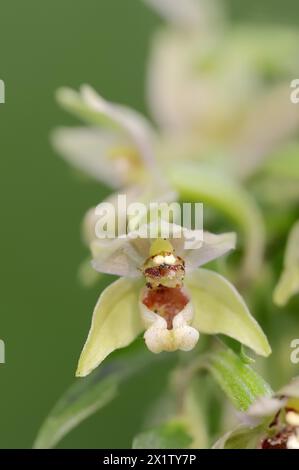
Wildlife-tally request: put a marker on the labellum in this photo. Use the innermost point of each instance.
(165, 304)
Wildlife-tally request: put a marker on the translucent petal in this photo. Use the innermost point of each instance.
(133, 124)
(213, 247)
(219, 309)
(89, 150)
(123, 121)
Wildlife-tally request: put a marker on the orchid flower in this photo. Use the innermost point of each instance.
(162, 293)
(222, 91)
(221, 98)
(116, 148)
(87, 275)
(272, 422)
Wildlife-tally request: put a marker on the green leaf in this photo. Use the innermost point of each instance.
(172, 435)
(288, 283)
(116, 322)
(207, 184)
(220, 309)
(86, 396)
(238, 380)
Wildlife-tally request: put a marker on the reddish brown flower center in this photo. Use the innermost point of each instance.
(280, 430)
(279, 441)
(166, 301)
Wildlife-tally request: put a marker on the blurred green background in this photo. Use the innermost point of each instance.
(45, 313)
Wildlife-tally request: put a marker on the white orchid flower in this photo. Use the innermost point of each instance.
(118, 146)
(143, 194)
(162, 293)
(224, 91)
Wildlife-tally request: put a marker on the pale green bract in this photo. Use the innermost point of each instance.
(237, 379)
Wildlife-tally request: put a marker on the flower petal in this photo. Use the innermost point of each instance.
(266, 406)
(271, 122)
(95, 110)
(133, 124)
(219, 309)
(213, 247)
(118, 257)
(88, 149)
(291, 390)
(288, 284)
(115, 324)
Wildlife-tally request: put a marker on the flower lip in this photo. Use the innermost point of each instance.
(166, 302)
(168, 325)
